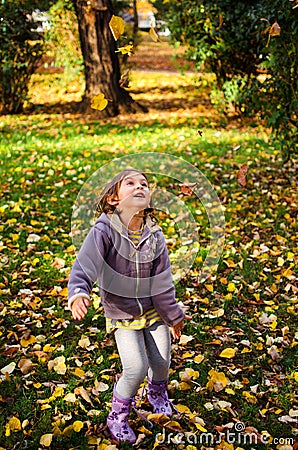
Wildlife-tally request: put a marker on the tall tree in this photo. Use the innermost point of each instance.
(102, 69)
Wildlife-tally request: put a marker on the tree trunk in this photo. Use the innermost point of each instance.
(102, 69)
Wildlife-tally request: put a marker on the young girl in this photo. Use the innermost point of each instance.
(126, 253)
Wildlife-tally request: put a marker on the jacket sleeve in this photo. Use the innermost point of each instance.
(86, 268)
(162, 287)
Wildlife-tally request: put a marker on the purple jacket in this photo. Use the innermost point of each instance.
(132, 279)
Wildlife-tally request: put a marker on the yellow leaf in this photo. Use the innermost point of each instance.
(77, 426)
(105, 376)
(64, 292)
(249, 397)
(14, 424)
(49, 348)
(153, 35)
(183, 409)
(246, 350)
(287, 273)
(9, 368)
(26, 342)
(209, 287)
(99, 102)
(58, 392)
(117, 26)
(296, 376)
(44, 407)
(67, 431)
(199, 358)
(231, 287)
(79, 372)
(199, 427)
(184, 386)
(280, 261)
(126, 50)
(187, 355)
(230, 391)
(46, 439)
(228, 353)
(217, 380)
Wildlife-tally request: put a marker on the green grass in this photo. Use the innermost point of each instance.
(47, 155)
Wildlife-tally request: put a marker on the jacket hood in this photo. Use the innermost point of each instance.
(115, 221)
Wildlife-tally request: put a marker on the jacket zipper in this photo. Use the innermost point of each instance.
(137, 284)
(137, 268)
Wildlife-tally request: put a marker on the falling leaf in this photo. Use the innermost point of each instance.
(99, 102)
(124, 82)
(126, 50)
(153, 34)
(187, 189)
(242, 175)
(228, 353)
(46, 439)
(117, 26)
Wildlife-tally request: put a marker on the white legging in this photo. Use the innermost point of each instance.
(142, 352)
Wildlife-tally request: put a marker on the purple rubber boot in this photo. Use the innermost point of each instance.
(158, 397)
(117, 420)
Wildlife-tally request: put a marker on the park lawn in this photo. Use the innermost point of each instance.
(57, 376)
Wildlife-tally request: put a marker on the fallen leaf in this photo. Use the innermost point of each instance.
(46, 439)
(77, 426)
(9, 368)
(25, 365)
(228, 353)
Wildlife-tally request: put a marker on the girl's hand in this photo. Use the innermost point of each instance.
(176, 330)
(79, 307)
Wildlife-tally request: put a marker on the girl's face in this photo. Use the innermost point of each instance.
(133, 193)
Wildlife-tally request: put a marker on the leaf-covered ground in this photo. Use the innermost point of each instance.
(234, 373)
